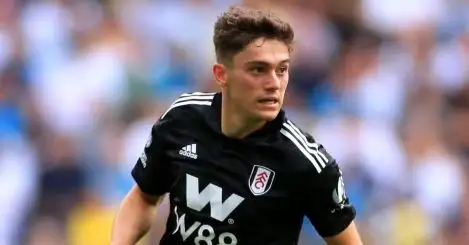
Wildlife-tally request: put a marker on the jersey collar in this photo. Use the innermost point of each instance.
(270, 129)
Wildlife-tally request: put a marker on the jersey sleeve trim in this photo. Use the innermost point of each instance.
(309, 149)
(196, 98)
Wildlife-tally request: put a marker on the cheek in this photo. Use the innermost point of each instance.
(239, 89)
(284, 85)
(246, 86)
(249, 82)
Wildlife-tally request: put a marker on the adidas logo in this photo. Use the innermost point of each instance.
(189, 151)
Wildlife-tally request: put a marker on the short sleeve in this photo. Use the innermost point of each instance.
(326, 203)
(152, 170)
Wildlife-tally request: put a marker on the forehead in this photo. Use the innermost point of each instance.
(264, 50)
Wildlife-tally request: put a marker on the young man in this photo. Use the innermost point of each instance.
(236, 169)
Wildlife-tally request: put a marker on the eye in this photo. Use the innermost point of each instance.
(282, 70)
(257, 70)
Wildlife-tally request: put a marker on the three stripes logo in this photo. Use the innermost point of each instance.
(309, 149)
(196, 98)
(189, 151)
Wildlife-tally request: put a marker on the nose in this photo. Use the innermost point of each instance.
(273, 82)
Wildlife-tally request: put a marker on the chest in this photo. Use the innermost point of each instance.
(221, 180)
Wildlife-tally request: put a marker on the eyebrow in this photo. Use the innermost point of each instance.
(263, 63)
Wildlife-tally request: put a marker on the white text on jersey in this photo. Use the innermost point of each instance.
(212, 194)
(205, 233)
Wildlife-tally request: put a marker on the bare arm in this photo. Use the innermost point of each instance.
(134, 218)
(349, 236)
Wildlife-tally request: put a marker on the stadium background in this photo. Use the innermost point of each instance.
(383, 84)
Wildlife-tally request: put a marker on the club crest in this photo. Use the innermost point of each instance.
(260, 180)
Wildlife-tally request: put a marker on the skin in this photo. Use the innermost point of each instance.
(134, 217)
(260, 71)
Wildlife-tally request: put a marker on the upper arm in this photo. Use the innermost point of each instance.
(151, 172)
(147, 198)
(320, 184)
(349, 236)
(325, 201)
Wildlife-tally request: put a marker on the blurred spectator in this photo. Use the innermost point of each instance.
(18, 188)
(62, 178)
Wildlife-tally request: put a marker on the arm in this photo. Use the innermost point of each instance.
(153, 177)
(326, 204)
(349, 236)
(134, 217)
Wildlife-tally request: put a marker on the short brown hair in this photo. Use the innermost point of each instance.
(238, 27)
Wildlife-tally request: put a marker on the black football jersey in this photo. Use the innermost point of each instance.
(226, 191)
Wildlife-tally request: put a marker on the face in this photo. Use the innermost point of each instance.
(255, 83)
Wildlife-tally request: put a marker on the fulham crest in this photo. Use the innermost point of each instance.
(260, 180)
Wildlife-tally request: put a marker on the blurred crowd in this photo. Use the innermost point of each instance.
(382, 84)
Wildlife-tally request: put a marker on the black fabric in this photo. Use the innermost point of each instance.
(251, 191)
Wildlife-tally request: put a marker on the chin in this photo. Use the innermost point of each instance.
(267, 115)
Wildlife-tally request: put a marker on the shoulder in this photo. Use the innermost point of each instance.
(187, 108)
(313, 166)
(188, 105)
(303, 150)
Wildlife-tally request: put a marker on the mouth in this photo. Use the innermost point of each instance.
(268, 100)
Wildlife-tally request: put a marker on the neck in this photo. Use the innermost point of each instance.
(234, 124)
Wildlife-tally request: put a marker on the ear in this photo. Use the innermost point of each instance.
(220, 74)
